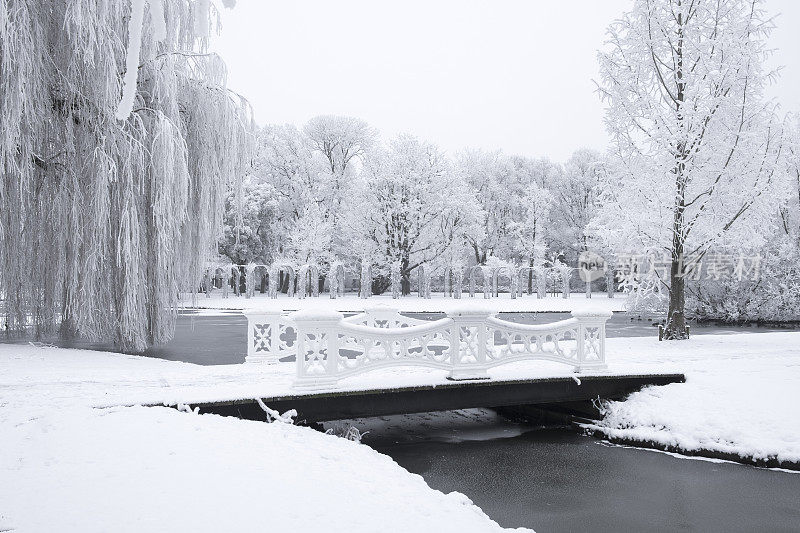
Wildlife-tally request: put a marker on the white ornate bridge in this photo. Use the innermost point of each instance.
(329, 347)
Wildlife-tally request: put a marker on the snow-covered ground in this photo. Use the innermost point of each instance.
(437, 303)
(67, 465)
(77, 454)
(740, 398)
(144, 469)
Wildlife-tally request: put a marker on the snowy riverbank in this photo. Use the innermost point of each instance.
(435, 304)
(739, 401)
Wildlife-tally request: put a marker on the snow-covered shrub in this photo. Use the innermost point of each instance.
(646, 298)
(249, 231)
(773, 295)
(345, 431)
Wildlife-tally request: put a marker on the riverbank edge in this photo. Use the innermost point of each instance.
(769, 462)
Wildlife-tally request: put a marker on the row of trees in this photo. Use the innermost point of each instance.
(700, 163)
(333, 191)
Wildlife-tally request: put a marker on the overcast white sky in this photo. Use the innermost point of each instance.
(510, 75)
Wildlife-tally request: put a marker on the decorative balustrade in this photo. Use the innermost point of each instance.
(271, 335)
(329, 347)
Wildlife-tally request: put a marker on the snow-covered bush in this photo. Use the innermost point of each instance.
(345, 431)
(250, 215)
(773, 296)
(646, 298)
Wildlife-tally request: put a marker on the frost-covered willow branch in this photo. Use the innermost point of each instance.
(103, 221)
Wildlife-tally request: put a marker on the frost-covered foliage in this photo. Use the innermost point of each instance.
(647, 298)
(532, 228)
(576, 190)
(311, 238)
(774, 297)
(775, 294)
(515, 196)
(790, 212)
(411, 208)
(310, 172)
(697, 149)
(103, 221)
(250, 223)
(343, 195)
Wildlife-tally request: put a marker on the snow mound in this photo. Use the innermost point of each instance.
(740, 397)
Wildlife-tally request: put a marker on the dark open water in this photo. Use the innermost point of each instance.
(556, 480)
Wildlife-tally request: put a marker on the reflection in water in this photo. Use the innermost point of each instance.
(554, 479)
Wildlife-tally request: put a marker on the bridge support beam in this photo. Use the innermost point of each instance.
(541, 392)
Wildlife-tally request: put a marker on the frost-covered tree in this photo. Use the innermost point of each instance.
(697, 148)
(497, 191)
(118, 142)
(342, 143)
(531, 229)
(285, 162)
(250, 224)
(310, 238)
(341, 140)
(411, 208)
(790, 213)
(312, 170)
(514, 194)
(575, 190)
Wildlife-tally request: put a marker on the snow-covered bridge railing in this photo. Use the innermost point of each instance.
(264, 346)
(329, 347)
(271, 335)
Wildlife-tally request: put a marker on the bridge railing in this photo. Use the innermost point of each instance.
(265, 347)
(329, 347)
(271, 335)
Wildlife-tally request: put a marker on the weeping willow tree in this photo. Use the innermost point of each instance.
(119, 142)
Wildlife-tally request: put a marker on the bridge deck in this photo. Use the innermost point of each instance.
(324, 406)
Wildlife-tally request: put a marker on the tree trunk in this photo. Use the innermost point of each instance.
(675, 327)
(405, 277)
(284, 282)
(530, 276)
(676, 320)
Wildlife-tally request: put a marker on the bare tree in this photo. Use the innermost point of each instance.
(341, 140)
